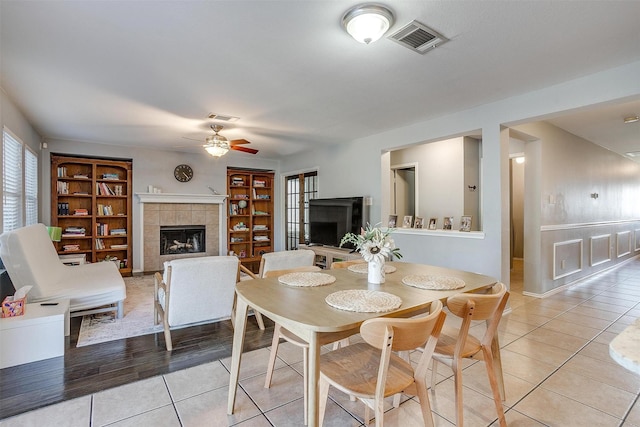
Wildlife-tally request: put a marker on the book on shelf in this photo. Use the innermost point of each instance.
(81, 176)
(104, 190)
(70, 248)
(63, 187)
(123, 246)
(99, 244)
(111, 176)
(259, 183)
(261, 238)
(237, 181)
(102, 229)
(62, 172)
(63, 208)
(118, 232)
(80, 211)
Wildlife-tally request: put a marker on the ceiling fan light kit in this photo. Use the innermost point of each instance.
(367, 22)
(218, 145)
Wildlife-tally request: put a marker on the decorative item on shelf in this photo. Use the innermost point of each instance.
(375, 245)
(55, 233)
(242, 204)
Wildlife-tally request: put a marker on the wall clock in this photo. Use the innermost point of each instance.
(183, 173)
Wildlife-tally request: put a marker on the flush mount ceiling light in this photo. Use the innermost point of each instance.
(367, 22)
(631, 119)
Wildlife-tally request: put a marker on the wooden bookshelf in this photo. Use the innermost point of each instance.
(250, 214)
(91, 202)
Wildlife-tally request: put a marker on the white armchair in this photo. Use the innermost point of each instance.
(31, 260)
(194, 290)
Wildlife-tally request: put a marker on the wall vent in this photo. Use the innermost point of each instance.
(222, 118)
(417, 37)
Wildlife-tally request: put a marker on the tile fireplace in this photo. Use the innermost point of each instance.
(196, 215)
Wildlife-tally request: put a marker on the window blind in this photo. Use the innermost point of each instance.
(30, 187)
(19, 183)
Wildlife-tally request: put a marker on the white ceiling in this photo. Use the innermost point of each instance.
(148, 73)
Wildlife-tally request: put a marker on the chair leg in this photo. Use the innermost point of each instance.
(488, 362)
(379, 412)
(457, 378)
(497, 366)
(434, 375)
(275, 342)
(425, 405)
(119, 309)
(259, 319)
(167, 337)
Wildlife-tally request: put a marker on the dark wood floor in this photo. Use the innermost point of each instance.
(89, 369)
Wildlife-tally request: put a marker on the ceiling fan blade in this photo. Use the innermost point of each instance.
(238, 142)
(193, 139)
(244, 149)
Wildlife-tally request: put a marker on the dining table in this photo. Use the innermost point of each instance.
(304, 310)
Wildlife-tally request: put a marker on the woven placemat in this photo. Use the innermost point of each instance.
(363, 301)
(437, 283)
(363, 268)
(306, 279)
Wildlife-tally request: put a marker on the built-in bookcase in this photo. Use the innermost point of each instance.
(250, 214)
(91, 202)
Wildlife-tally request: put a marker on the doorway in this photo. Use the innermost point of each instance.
(516, 219)
(403, 190)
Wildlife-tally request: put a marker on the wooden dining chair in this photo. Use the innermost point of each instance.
(371, 371)
(282, 333)
(457, 344)
(275, 261)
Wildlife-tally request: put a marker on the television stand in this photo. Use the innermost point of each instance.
(325, 255)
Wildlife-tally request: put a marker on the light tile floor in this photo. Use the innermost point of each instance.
(557, 372)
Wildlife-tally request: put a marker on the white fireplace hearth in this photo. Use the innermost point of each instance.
(167, 209)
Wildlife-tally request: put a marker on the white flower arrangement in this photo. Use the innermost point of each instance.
(373, 242)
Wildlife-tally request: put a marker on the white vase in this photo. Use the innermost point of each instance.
(376, 270)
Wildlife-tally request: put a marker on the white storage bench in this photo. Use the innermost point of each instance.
(36, 335)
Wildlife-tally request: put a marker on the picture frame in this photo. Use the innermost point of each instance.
(447, 223)
(433, 223)
(393, 221)
(407, 221)
(419, 222)
(465, 223)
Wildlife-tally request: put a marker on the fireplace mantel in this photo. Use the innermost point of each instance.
(215, 199)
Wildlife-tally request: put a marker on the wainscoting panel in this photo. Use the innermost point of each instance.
(567, 258)
(600, 249)
(606, 244)
(623, 243)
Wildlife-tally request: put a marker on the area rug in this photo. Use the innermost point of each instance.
(137, 319)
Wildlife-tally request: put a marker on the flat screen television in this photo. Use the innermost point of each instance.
(331, 219)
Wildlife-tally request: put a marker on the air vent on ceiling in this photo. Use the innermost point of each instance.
(417, 37)
(222, 118)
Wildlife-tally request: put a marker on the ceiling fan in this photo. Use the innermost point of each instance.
(218, 145)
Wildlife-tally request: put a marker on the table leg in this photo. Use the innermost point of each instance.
(314, 378)
(240, 326)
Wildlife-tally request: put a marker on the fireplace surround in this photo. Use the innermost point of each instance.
(185, 210)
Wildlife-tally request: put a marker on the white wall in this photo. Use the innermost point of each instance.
(353, 167)
(570, 223)
(440, 177)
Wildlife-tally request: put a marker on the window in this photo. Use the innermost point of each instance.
(299, 189)
(19, 183)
